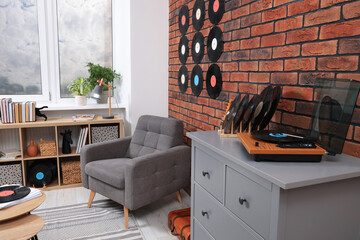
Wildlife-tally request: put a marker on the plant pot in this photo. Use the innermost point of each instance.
(80, 100)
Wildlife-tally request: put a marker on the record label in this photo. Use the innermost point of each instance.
(183, 49)
(216, 6)
(198, 15)
(197, 47)
(216, 10)
(197, 80)
(214, 81)
(215, 44)
(183, 19)
(183, 79)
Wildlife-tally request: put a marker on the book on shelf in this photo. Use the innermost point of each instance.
(34, 193)
(83, 117)
(17, 112)
(82, 138)
(9, 154)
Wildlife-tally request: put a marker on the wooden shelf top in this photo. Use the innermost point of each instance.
(60, 122)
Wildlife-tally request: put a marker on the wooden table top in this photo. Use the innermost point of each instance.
(20, 209)
(21, 228)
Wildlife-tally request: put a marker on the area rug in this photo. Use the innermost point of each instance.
(104, 220)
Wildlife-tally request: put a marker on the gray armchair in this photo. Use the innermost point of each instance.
(138, 170)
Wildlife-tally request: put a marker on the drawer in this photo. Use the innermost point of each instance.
(248, 200)
(199, 232)
(219, 223)
(209, 173)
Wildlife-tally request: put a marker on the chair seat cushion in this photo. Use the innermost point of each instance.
(110, 171)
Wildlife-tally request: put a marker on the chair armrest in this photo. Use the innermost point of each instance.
(98, 151)
(152, 176)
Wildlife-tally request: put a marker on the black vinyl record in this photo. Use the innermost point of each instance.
(253, 104)
(13, 192)
(215, 44)
(240, 113)
(214, 81)
(276, 95)
(42, 173)
(197, 80)
(197, 47)
(230, 114)
(276, 137)
(198, 15)
(216, 10)
(183, 19)
(265, 100)
(183, 49)
(183, 79)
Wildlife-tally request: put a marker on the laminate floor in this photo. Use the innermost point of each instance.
(151, 219)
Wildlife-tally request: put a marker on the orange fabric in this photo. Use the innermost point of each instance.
(179, 223)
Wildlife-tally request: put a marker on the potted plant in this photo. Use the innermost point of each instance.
(79, 88)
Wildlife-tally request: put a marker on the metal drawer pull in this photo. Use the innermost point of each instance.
(205, 173)
(204, 213)
(242, 200)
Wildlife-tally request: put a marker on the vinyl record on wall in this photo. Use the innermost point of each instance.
(215, 44)
(197, 80)
(183, 49)
(198, 15)
(197, 47)
(183, 79)
(216, 10)
(183, 19)
(214, 81)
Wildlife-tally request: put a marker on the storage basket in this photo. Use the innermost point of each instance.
(70, 170)
(10, 173)
(47, 148)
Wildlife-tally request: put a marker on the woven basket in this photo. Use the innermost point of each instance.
(70, 170)
(47, 148)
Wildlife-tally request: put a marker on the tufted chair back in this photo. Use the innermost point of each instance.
(154, 134)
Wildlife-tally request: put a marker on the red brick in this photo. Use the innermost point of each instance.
(343, 29)
(214, 121)
(319, 48)
(303, 35)
(226, 17)
(350, 132)
(286, 105)
(345, 63)
(302, 7)
(234, 24)
(286, 51)
(274, 14)
(233, 66)
(241, 33)
(250, 43)
(260, 5)
(247, 88)
(288, 78)
(227, 37)
(354, 76)
(305, 108)
(242, 11)
(249, 66)
(273, 40)
(300, 93)
(259, 77)
(281, 2)
(351, 148)
(263, 53)
(240, 76)
(230, 86)
(262, 29)
(304, 64)
(356, 116)
(289, 24)
(357, 134)
(351, 10)
(240, 55)
(231, 46)
(248, 1)
(271, 66)
(322, 16)
(327, 3)
(296, 120)
(349, 46)
(308, 79)
(251, 20)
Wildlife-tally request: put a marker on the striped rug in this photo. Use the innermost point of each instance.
(104, 220)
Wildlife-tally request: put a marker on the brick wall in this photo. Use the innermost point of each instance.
(278, 42)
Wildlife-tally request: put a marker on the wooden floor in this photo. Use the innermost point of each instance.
(151, 219)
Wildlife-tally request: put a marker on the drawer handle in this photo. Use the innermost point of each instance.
(204, 213)
(205, 173)
(242, 200)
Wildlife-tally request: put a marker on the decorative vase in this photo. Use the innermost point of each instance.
(80, 100)
(32, 149)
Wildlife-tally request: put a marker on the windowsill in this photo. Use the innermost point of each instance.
(69, 105)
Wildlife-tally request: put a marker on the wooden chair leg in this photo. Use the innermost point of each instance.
(179, 196)
(126, 215)
(92, 195)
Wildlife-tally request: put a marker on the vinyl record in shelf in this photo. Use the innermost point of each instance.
(183, 19)
(265, 101)
(230, 114)
(197, 47)
(197, 80)
(214, 81)
(183, 49)
(253, 104)
(198, 15)
(216, 10)
(276, 95)
(240, 113)
(183, 79)
(215, 44)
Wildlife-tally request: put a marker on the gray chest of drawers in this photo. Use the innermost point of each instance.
(236, 198)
